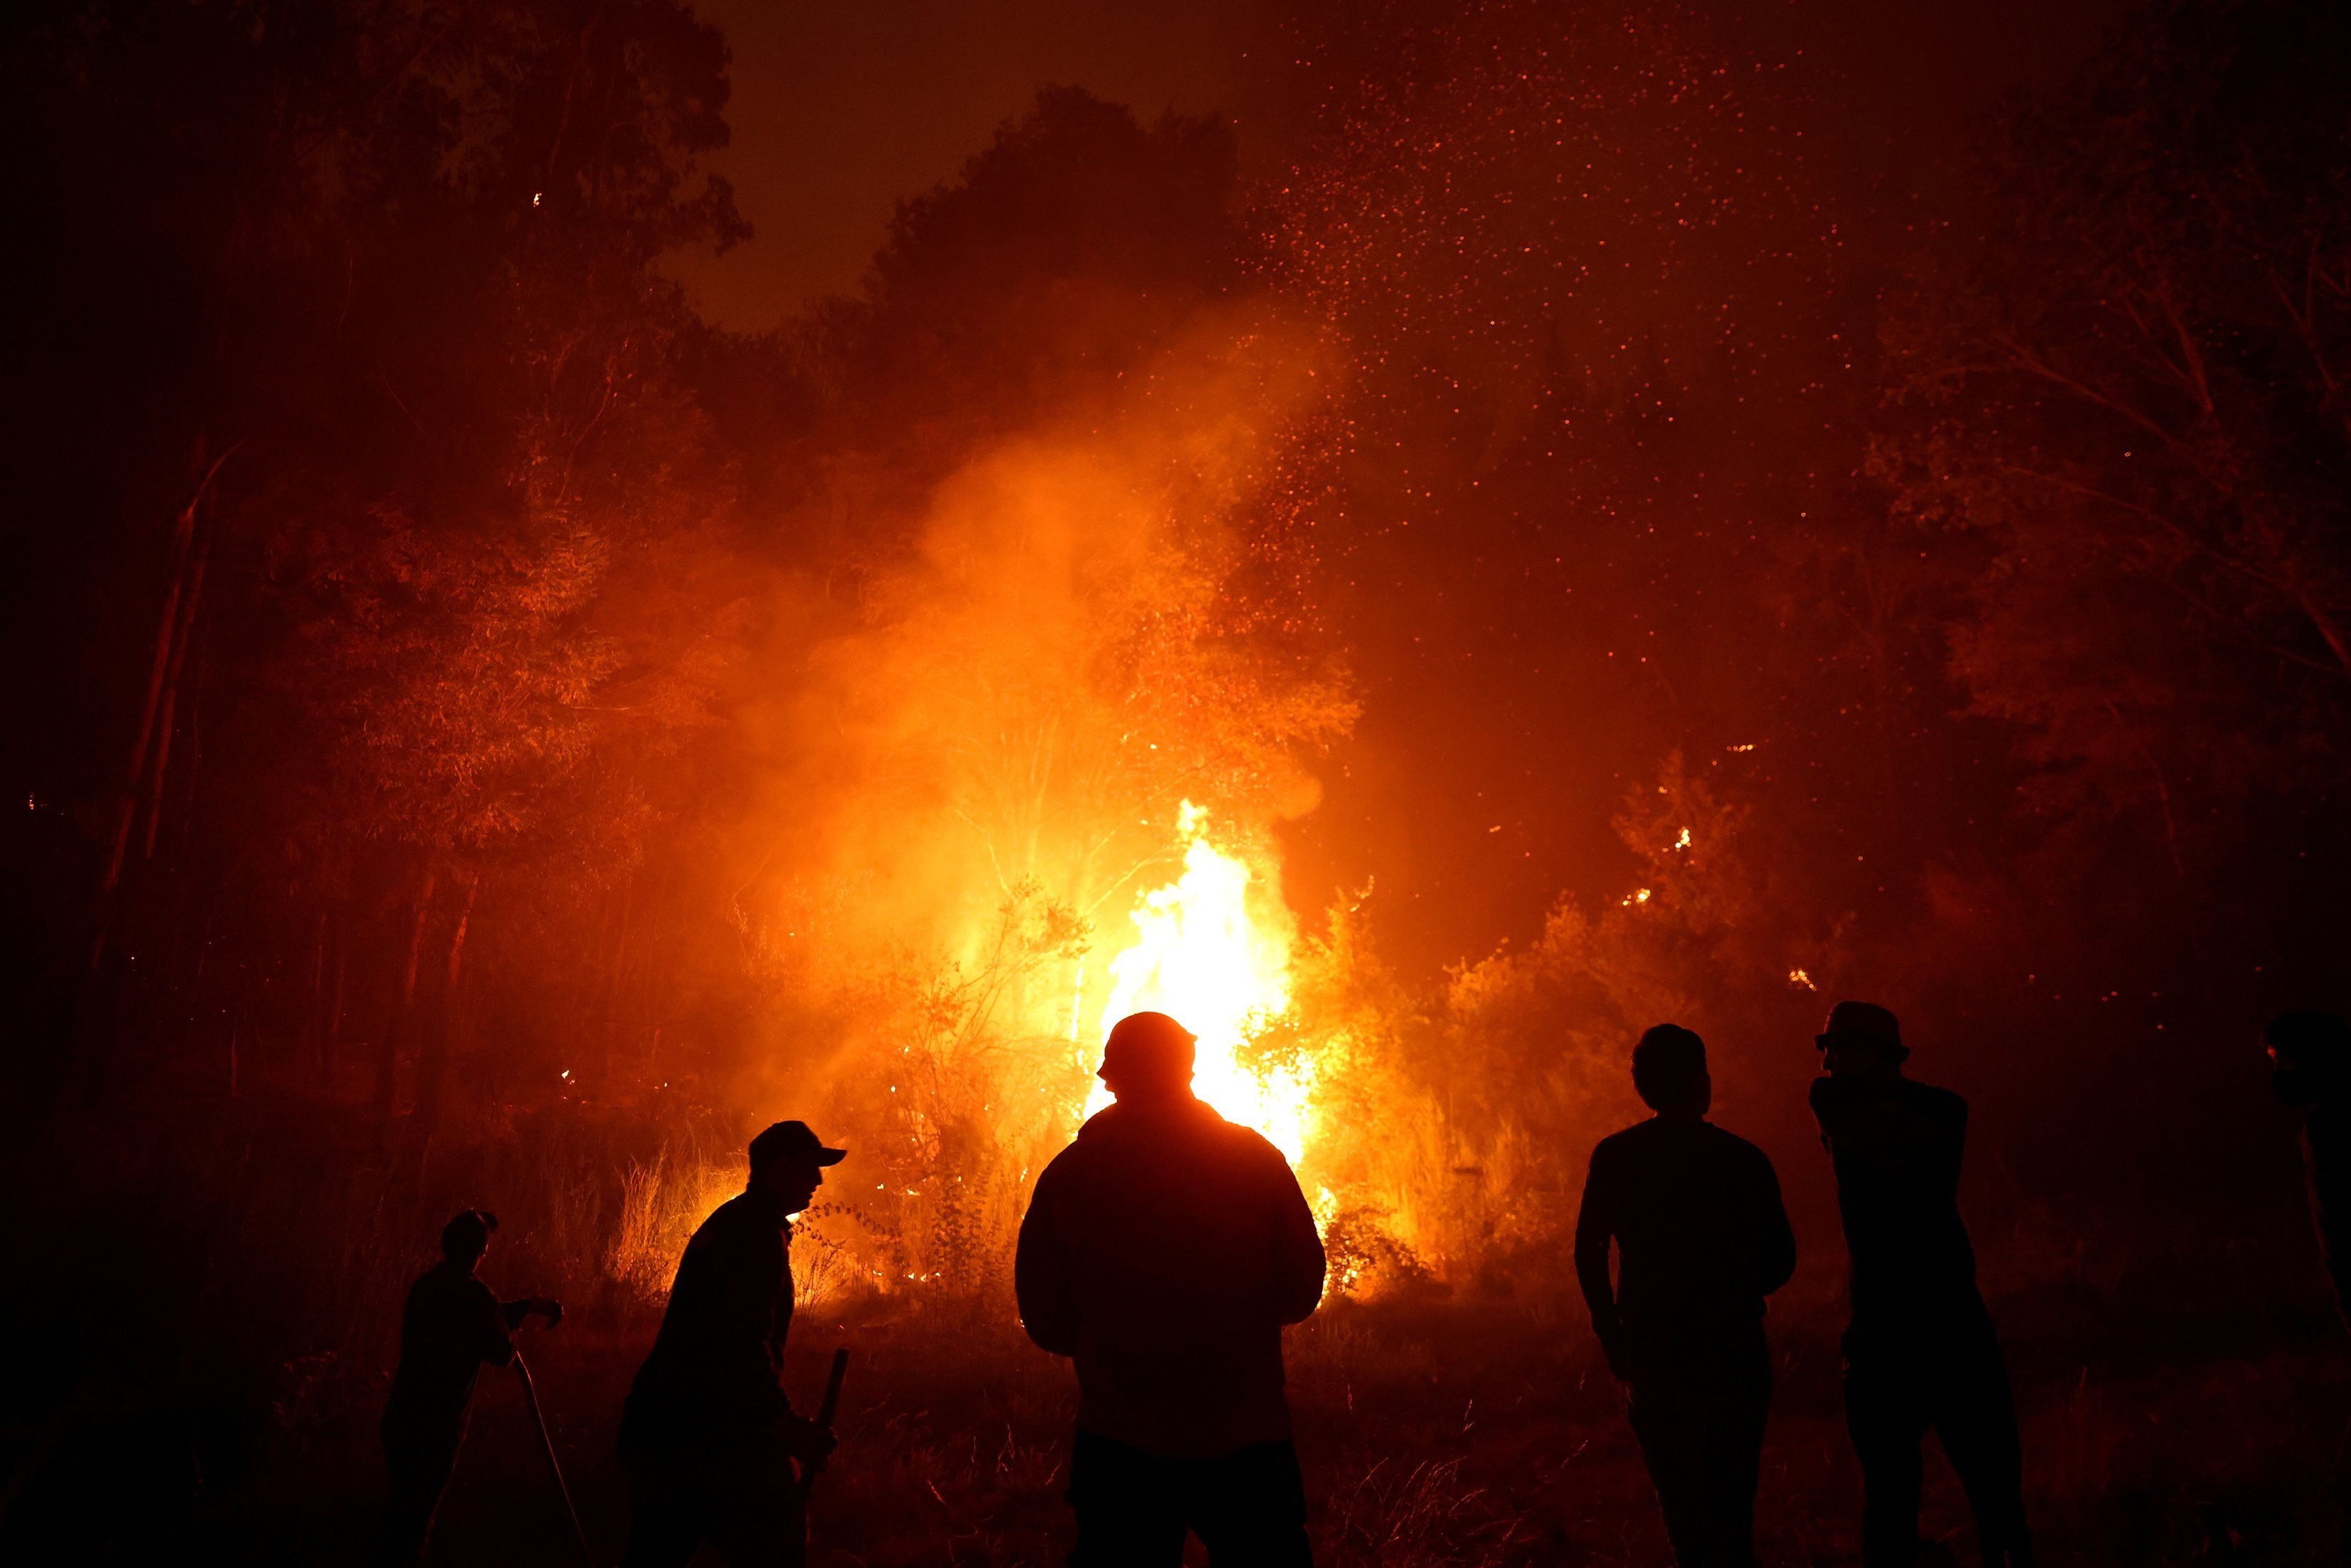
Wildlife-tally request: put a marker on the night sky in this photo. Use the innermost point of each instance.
(840, 112)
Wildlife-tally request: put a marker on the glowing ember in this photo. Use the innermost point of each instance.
(1199, 957)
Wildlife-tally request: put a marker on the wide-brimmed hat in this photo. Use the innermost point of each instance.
(1863, 1023)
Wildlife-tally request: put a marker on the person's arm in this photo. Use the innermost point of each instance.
(1775, 1250)
(486, 1326)
(1300, 1267)
(1040, 1273)
(1596, 1225)
(1828, 1104)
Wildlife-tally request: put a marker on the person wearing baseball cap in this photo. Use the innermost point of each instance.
(1163, 1251)
(707, 1438)
(1922, 1352)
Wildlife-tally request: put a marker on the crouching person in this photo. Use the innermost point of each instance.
(1164, 1251)
(451, 1327)
(707, 1440)
(1701, 1238)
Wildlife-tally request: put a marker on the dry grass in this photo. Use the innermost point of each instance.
(202, 1381)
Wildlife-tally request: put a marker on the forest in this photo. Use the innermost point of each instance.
(1549, 529)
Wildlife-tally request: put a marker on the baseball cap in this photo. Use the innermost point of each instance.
(793, 1141)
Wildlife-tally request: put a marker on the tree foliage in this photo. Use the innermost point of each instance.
(2130, 397)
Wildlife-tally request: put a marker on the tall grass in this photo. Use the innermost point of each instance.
(221, 1301)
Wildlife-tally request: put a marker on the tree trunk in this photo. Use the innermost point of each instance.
(167, 636)
(387, 1061)
(433, 1061)
(609, 1026)
(332, 1036)
(186, 629)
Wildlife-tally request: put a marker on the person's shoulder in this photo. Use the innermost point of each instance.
(443, 1286)
(2328, 1121)
(1748, 1160)
(1624, 1142)
(1736, 1147)
(1934, 1101)
(1247, 1144)
(740, 1219)
(1068, 1162)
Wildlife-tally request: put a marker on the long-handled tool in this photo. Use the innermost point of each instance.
(811, 1469)
(546, 1445)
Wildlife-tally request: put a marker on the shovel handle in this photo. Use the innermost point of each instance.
(831, 1406)
(825, 1412)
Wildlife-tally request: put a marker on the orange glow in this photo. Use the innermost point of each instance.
(1204, 956)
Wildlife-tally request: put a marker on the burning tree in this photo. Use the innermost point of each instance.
(1011, 756)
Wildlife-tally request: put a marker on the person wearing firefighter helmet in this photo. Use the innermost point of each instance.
(2310, 1070)
(1163, 1251)
(708, 1441)
(1922, 1350)
(451, 1327)
(1701, 1238)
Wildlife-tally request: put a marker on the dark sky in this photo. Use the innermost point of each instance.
(841, 112)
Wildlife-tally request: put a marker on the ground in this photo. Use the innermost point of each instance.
(1436, 1432)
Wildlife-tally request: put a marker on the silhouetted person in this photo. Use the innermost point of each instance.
(1164, 1251)
(1922, 1352)
(1701, 1238)
(707, 1438)
(450, 1328)
(2310, 1066)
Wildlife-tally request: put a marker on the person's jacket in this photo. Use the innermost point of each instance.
(712, 1375)
(1896, 1148)
(451, 1325)
(2326, 1163)
(1164, 1251)
(1700, 1232)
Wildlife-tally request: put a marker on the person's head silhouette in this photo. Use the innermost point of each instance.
(788, 1163)
(1669, 1071)
(1147, 1060)
(1862, 1041)
(467, 1236)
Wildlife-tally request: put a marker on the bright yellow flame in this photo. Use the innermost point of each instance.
(1200, 957)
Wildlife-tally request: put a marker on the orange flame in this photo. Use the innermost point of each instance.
(1201, 955)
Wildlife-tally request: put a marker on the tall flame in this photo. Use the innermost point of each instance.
(1200, 957)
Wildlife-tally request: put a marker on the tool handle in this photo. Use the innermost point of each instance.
(547, 1445)
(811, 1468)
(831, 1406)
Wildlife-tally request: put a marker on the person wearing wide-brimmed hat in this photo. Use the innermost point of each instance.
(1922, 1352)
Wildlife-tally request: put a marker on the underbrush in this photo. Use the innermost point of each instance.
(1435, 1435)
(193, 1368)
